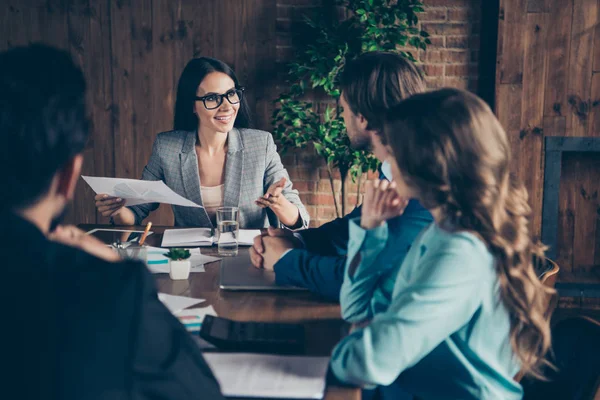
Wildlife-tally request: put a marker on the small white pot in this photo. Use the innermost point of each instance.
(179, 269)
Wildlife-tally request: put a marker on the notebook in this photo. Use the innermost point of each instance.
(195, 237)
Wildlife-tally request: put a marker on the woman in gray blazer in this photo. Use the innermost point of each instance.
(214, 159)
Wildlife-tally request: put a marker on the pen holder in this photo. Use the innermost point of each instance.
(134, 252)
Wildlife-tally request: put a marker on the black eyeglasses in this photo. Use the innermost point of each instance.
(212, 101)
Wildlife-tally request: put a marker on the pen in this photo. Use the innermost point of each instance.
(143, 238)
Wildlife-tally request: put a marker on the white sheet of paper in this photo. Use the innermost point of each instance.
(177, 303)
(137, 191)
(197, 312)
(202, 237)
(193, 318)
(269, 376)
(246, 236)
(187, 237)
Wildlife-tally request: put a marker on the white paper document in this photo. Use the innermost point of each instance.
(197, 312)
(159, 264)
(187, 237)
(177, 303)
(203, 237)
(192, 318)
(246, 236)
(269, 376)
(136, 191)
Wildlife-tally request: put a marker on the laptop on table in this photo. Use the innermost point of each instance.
(238, 273)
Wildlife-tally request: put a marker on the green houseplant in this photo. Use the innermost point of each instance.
(384, 25)
(179, 263)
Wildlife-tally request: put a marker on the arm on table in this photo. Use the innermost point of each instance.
(319, 266)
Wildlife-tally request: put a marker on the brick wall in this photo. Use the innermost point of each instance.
(450, 60)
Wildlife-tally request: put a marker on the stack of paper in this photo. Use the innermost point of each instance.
(193, 237)
(269, 376)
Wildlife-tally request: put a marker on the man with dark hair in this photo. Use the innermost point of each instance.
(78, 322)
(316, 258)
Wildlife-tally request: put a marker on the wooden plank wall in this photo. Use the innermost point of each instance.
(132, 53)
(548, 84)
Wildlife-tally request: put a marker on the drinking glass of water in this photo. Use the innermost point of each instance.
(227, 231)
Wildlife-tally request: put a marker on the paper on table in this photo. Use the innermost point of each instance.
(136, 191)
(197, 312)
(177, 303)
(187, 237)
(193, 318)
(202, 237)
(246, 236)
(269, 376)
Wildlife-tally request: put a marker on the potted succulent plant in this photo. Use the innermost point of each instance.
(179, 263)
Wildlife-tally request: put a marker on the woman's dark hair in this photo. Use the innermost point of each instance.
(193, 74)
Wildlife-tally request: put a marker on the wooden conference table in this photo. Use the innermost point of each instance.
(324, 326)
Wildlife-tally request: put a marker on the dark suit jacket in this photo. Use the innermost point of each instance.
(320, 265)
(77, 327)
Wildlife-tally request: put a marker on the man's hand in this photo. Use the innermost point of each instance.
(75, 237)
(269, 247)
(381, 202)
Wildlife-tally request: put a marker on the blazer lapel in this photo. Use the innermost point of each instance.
(189, 169)
(234, 168)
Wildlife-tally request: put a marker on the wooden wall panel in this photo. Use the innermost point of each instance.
(585, 19)
(586, 189)
(558, 45)
(80, 42)
(514, 19)
(596, 55)
(560, 96)
(161, 69)
(100, 99)
(566, 214)
(532, 111)
(594, 124)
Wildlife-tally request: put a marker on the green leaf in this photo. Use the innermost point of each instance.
(176, 254)
(327, 114)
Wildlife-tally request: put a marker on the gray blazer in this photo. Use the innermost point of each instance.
(252, 165)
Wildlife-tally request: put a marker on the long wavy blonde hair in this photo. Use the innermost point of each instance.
(454, 153)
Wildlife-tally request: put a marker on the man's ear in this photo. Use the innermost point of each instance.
(68, 176)
(363, 124)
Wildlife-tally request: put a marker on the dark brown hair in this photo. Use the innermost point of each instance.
(455, 155)
(374, 82)
(192, 76)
